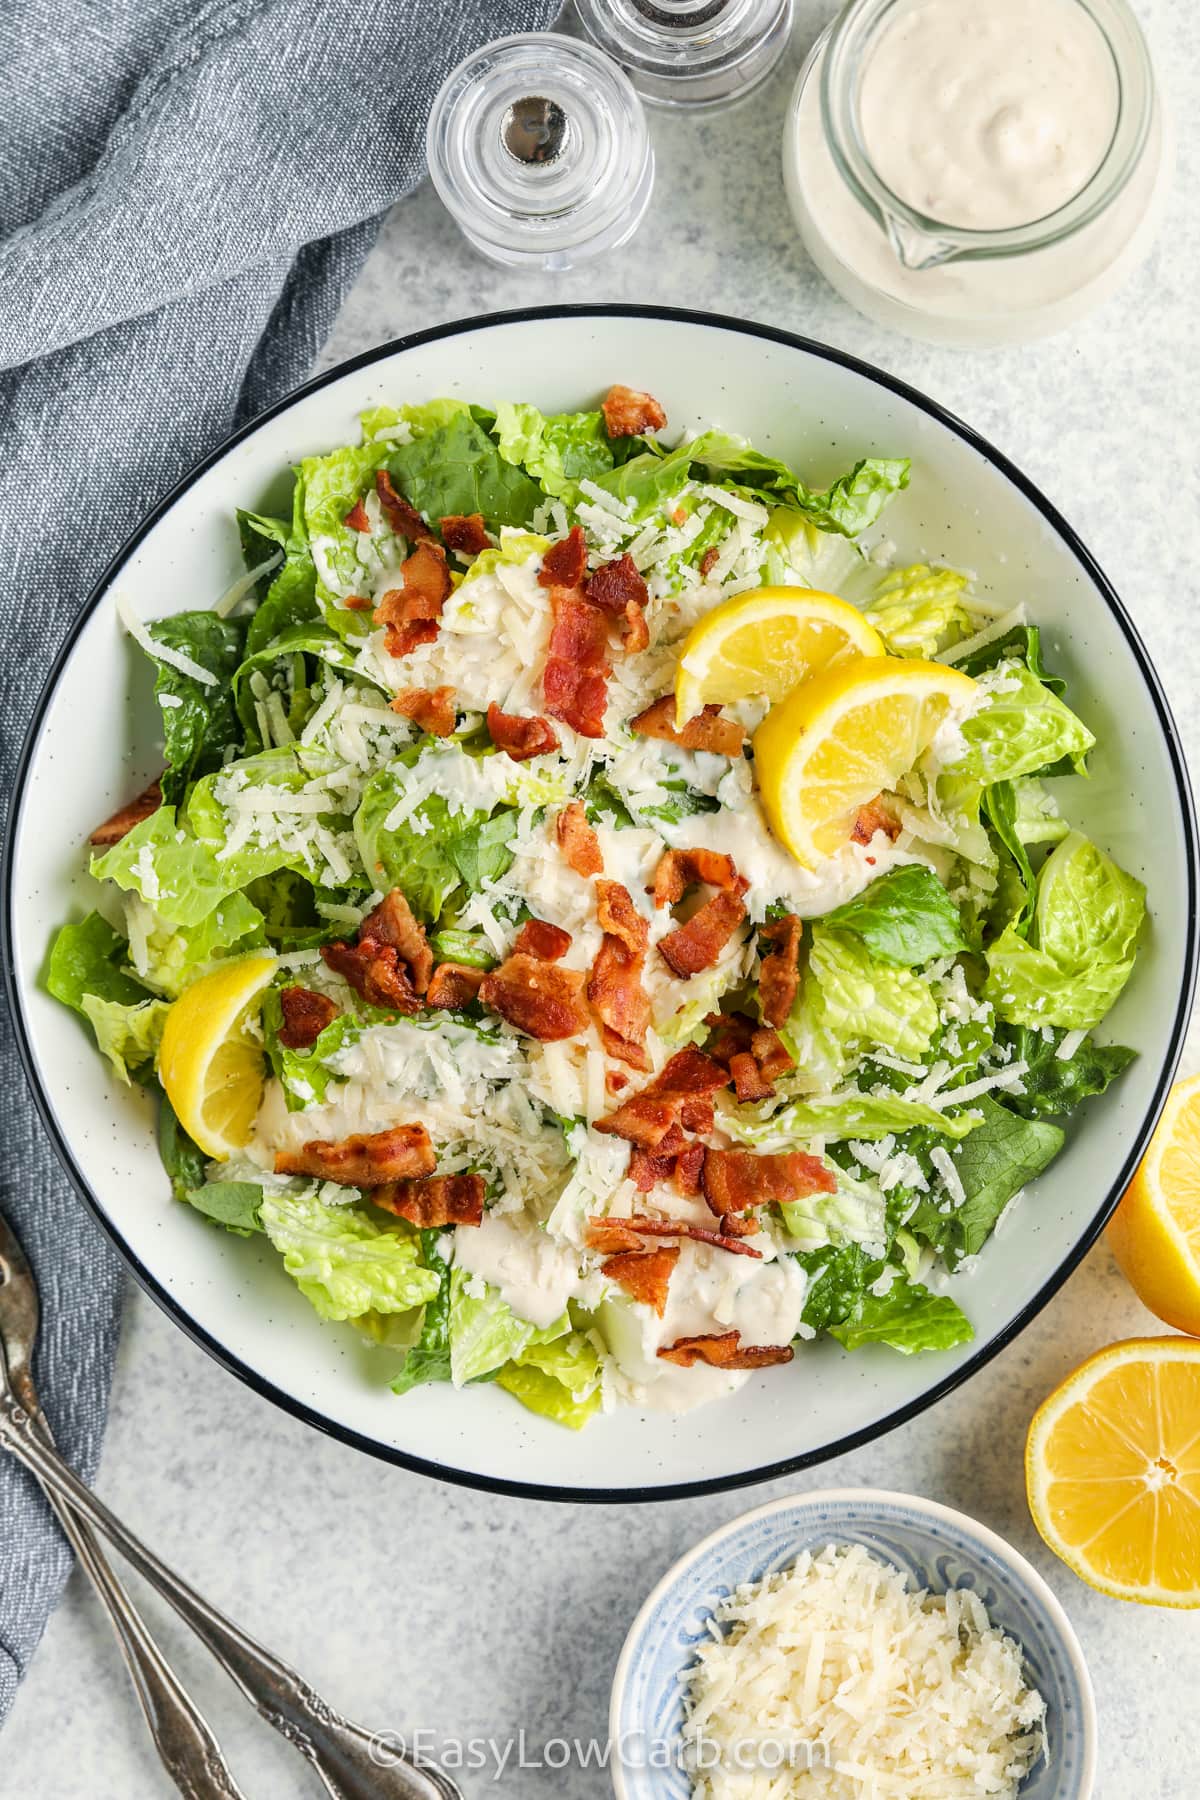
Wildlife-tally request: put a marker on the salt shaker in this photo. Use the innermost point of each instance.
(689, 53)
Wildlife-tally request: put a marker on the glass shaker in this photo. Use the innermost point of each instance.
(688, 53)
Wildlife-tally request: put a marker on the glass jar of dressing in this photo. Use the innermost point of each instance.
(977, 171)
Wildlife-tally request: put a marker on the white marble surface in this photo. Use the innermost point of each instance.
(415, 1605)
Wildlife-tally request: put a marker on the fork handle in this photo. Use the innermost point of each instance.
(348, 1759)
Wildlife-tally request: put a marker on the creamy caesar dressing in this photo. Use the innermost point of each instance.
(988, 115)
(532, 1273)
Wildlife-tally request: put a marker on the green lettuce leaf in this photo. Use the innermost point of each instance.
(290, 767)
(1083, 942)
(904, 917)
(908, 1318)
(918, 611)
(198, 719)
(128, 1035)
(89, 958)
(558, 451)
(345, 1260)
(993, 1163)
(1055, 1085)
(435, 852)
(234, 1204)
(485, 1333)
(470, 948)
(171, 870)
(169, 957)
(429, 1357)
(1023, 644)
(457, 468)
(819, 559)
(560, 1380)
(288, 664)
(514, 547)
(852, 503)
(841, 1116)
(855, 1213)
(849, 1002)
(1022, 728)
(183, 1160)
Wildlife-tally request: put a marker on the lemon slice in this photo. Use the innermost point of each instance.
(209, 1061)
(1112, 1471)
(843, 737)
(1155, 1232)
(763, 642)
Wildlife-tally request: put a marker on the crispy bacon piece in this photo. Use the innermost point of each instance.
(367, 1161)
(644, 1274)
(617, 588)
(399, 514)
(432, 709)
(755, 1055)
(708, 561)
(375, 971)
(393, 924)
(697, 945)
(735, 1180)
(520, 737)
(411, 613)
(629, 411)
(577, 841)
(465, 532)
(749, 1082)
(126, 817)
(539, 998)
(725, 1350)
(453, 985)
(680, 1094)
(615, 992)
(432, 1201)
(689, 1169)
(707, 731)
(779, 973)
(357, 603)
(565, 562)
(575, 679)
(873, 817)
(305, 1016)
(678, 870)
(538, 937)
(648, 1168)
(356, 518)
(614, 1235)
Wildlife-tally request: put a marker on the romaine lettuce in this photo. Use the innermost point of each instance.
(234, 1204)
(457, 468)
(559, 450)
(842, 1116)
(434, 851)
(907, 1317)
(560, 1380)
(429, 1357)
(1054, 1085)
(852, 503)
(89, 958)
(918, 611)
(345, 1260)
(128, 1035)
(904, 917)
(849, 1002)
(1023, 727)
(198, 718)
(485, 1333)
(993, 1163)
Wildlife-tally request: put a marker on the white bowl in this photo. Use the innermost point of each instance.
(936, 1548)
(95, 739)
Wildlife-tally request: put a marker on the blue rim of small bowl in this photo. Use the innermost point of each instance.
(1019, 1570)
(739, 1478)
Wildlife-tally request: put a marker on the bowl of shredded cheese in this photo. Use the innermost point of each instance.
(851, 1644)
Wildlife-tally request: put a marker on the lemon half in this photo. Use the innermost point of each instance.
(210, 1062)
(1155, 1232)
(763, 642)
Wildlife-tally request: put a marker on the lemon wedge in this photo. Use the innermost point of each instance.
(761, 643)
(1155, 1232)
(1112, 1471)
(843, 737)
(210, 1062)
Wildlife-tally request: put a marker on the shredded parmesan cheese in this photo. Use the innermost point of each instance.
(163, 653)
(832, 1678)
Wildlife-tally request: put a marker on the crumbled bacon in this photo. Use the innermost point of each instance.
(709, 730)
(375, 971)
(357, 603)
(432, 709)
(412, 612)
(433, 1201)
(539, 998)
(697, 945)
(615, 990)
(453, 985)
(565, 562)
(575, 679)
(873, 817)
(126, 817)
(755, 1055)
(520, 737)
(644, 1274)
(618, 589)
(577, 841)
(735, 1180)
(725, 1350)
(613, 1235)
(689, 1169)
(779, 973)
(629, 411)
(356, 519)
(648, 1168)
(708, 561)
(305, 1016)
(365, 1161)
(749, 1082)
(465, 532)
(678, 870)
(402, 517)
(680, 1094)
(538, 937)
(393, 923)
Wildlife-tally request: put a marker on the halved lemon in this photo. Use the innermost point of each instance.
(843, 737)
(1155, 1232)
(210, 1061)
(763, 642)
(1112, 1471)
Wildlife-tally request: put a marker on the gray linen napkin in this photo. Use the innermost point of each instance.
(186, 194)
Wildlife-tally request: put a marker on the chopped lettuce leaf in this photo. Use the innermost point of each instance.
(855, 1214)
(1022, 644)
(559, 451)
(457, 468)
(1054, 1085)
(849, 1002)
(852, 503)
(198, 718)
(183, 1160)
(514, 547)
(918, 611)
(233, 1204)
(429, 1358)
(993, 1163)
(433, 852)
(470, 948)
(819, 559)
(89, 958)
(904, 917)
(560, 1380)
(128, 1035)
(907, 1318)
(345, 1260)
(169, 957)
(485, 1333)
(841, 1116)
(1023, 727)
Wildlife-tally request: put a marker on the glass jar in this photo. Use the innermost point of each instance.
(949, 283)
(689, 53)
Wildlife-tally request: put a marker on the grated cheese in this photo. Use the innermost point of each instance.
(175, 659)
(243, 585)
(832, 1678)
(1070, 1045)
(968, 646)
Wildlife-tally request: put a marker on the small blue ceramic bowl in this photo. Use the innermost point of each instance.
(936, 1547)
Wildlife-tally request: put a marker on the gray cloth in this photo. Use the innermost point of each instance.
(186, 194)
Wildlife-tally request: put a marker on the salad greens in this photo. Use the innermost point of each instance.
(928, 1056)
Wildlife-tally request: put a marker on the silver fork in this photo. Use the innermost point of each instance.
(352, 1762)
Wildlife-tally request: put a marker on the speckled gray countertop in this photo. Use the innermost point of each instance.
(414, 1605)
